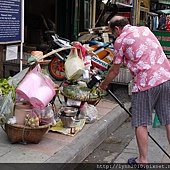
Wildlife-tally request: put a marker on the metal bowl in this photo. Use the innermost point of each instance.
(69, 111)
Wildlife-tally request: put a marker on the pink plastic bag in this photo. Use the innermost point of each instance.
(36, 88)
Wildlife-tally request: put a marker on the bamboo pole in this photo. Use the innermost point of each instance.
(33, 60)
(94, 14)
(136, 12)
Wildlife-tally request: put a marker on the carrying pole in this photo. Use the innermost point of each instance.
(130, 114)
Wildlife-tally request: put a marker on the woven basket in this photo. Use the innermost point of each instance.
(20, 133)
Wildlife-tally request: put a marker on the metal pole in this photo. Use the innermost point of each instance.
(22, 34)
(94, 14)
(136, 12)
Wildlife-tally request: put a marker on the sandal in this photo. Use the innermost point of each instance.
(132, 162)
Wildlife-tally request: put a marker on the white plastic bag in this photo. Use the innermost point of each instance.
(89, 112)
(15, 80)
(6, 109)
(46, 115)
(74, 66)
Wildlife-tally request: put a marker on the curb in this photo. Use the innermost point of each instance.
(91, 138)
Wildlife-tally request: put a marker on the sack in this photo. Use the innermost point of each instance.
(74, 66)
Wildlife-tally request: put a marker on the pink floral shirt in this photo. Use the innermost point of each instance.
(139, 49)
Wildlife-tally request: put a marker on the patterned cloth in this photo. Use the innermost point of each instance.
(140, 50)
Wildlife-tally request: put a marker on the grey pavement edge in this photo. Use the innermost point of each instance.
(86, 142)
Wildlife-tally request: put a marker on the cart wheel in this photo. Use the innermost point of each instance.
(56, 69)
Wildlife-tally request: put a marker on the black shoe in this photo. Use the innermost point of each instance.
(132, 162)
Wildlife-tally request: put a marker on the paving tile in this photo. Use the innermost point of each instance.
(110, 158)
(123, 157)
(103, 111)
(23, 156)
(4, 139)
(58, 136)
(165, 158)
(46, 146)
(104, 103)
(4, 150)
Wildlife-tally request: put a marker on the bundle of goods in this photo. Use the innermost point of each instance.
(36, 88)
(27, 115)
(33, 111)
(29, 124)
(77, 65)
(81, 93)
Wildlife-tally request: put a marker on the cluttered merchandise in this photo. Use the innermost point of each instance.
(33, 104)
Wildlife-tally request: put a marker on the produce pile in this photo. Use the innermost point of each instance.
(39, 117)
(81, 93)
(7, 98)
(32, 121)
(5, 87)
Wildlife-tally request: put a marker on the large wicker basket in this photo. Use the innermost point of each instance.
(20, 133)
